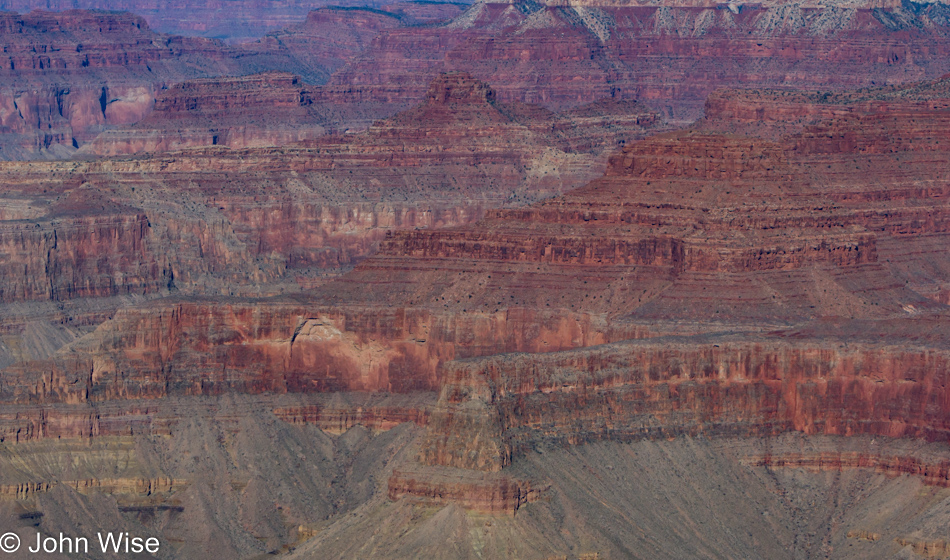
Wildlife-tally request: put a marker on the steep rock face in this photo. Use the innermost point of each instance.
(685, 233)
(75, 258)
(681, 220)
(694, 228)
(777, 289)
(238, 223)
(277, 109)
(933, 474)
(222, 221)
(772, 114)
(67, 75)
(377, 63)
(268, 109)
(74, 74)
(195, 348)
(670, 57)
(488, 494)
(92, 420)
(664, 388)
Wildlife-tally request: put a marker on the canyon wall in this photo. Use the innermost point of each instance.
(672, 387)
(709, 285)
(372, 64)
(208, 348)
(269, 109)
(686, 233)
(69, 75)
(220, 221)
(236, 21)
(669, 57)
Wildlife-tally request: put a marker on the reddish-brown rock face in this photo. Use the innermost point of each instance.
(218, 221)
(212, 348)
(377, 63)
(690, 229)
(755, 301)
(678, 220)
(771, 113)
(934, 474)
(709, 283)
(670, 387)
(270, 109)
(66, 76)
(333, 413)
(79, 259)
(496, 494)
(668, 57)
(694, 229)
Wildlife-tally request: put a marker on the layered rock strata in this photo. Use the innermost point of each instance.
(270, 109)
(91, 420)
(266, 482)
(497, 495)
(213, 220)
(68, 75)
(377, 63)
(492, 408)
(670, 57)
(688, 228)
(83, 239)
(773, 287)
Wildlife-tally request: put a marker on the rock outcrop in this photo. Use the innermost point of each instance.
(68, 75)
(671, 57)
(217, 220)
(270, 109)
(492, 408)
(486, 493)
(686, 233)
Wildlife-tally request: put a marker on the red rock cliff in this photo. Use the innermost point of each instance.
(670, 57)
